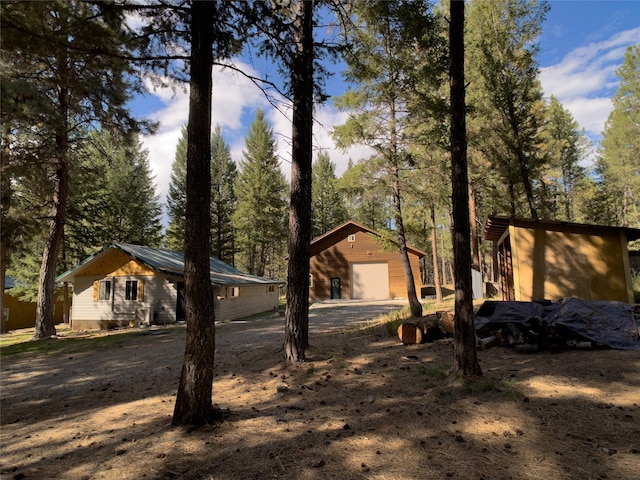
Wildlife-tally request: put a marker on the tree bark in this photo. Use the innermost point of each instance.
(3, 270)
(5, 203)
(464, 344)
(475, 240)
(434, 252)
(193, 401)
(414, 303)
(297, 311)
(45, 325)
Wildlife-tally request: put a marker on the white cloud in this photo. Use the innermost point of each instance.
(233, 97)
(585, 79)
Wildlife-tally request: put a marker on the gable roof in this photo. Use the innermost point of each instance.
(342, 231)
(495, 226)
(170, 262)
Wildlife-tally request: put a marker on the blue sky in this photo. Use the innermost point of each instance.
(582, 44)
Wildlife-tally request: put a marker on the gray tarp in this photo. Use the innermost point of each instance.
(608, 323)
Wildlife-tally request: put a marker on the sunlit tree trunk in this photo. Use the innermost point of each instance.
(45, 325)
(297, 311)
(193, 401)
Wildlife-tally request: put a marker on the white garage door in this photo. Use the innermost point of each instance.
(369, 280)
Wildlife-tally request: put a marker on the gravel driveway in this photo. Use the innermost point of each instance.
(325, 317)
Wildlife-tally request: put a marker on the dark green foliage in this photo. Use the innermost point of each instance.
(260, 220)
(365, 202)
(506, 96)
(63, 70)
(618, 165)
(328, 208)
(565, 147)
(112, 196)
(177, 196)
(223, 199)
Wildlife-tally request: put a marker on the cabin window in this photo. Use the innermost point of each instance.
(131, 290)
(271, 288)
(351, 238)
(310, 280)
(233, 292)
(105, 289)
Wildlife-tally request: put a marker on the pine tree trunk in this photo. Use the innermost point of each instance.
(193, 401)
(5, 203)
(475, 241)
(414, 303)
(443, 260)
(297, 311)
(45, 324)
(434, 251)
(464, 340)
(3, 270)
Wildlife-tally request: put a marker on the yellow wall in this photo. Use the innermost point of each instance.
(117, 264)
(23, 314)
(552, 264)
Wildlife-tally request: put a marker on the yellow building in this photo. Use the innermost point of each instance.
(21, 314)
(551, 260)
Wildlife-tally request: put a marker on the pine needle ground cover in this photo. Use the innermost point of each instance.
(363, 407)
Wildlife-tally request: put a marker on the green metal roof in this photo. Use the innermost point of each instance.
(171, 262)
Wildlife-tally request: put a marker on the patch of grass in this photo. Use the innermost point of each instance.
(387, 324)
(13, 339)
(507, 388)
(25, 345)
(444, 392)
(434, 371)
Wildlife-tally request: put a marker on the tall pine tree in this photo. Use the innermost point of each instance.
(566, 146)
(327, 208)
(177, 196)
(506, 94)
(618, 163)
(260, 220)
(223, 199)
(386, 40)
(66, 61)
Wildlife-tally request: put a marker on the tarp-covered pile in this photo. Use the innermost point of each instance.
(557, 325)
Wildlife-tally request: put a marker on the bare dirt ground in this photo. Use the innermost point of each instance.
(363, 407)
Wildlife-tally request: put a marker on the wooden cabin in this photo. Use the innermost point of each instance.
(126, 285)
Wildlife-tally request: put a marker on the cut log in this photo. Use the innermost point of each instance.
(446, 321)
(410, 333)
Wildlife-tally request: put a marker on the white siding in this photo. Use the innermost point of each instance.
(253, 299)
(159, 300)
(158, 304)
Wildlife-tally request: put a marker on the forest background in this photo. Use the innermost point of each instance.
(122, 188)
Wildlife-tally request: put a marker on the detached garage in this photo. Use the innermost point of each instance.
(348, 262)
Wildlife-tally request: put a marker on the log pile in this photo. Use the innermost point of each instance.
(531, 336)
(427, 329)
(529, 327)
